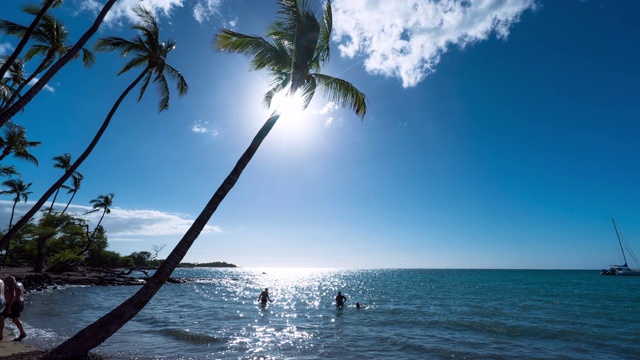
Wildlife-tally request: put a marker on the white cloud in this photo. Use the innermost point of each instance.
(121, 224)
(202, 127)
(5, 48)
(203, 9)
(405, 39)
(46, 87)
(328, 122)
(327, 109)
(199, 127)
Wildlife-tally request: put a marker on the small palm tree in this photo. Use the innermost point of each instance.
(15, 142)
(76, 180)
(148, 52)
(24, 100)
(50, 41)
(46, 4)
(62, 162)
(300, 45)
(102, 202)
(19, 190)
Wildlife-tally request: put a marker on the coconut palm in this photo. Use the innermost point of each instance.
(50, 41)
(18, 105)
(102, 202)
(148, 52)
(299, 46)
(19, 190)
(6, 171)
(46, 4)
(10, 83)
(62, 162)
(76, 180)
(15, 142)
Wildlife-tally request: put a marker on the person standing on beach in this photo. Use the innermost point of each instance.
(14, 297)
(340, 299)
(3, 305)
(264, 297)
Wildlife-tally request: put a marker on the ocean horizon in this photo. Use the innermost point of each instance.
(405, 314)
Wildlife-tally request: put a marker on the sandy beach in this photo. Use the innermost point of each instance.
(8, 347)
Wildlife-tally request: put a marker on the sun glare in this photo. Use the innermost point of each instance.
(290, 107)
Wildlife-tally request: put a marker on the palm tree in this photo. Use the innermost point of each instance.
(148, 52)
(62, 162)
(10, 83)
(76, 180)
(51, 41)
(46, 4)
(17, 188)
(17, 106)
(102, 202)
(297, 34)
(15, 142)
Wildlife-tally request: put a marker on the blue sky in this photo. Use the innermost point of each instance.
(501, 134)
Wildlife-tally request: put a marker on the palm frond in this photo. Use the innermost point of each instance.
(137, 61)
(342, 93)
(181, 83)
(163, 90)
(88, 58)
(145, 83)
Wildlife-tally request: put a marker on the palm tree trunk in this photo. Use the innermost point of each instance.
(6, 250)
(69, 203)
(95, 334)
(54, 200)
(13, 210)
(68, 56)
(25, 219)
(14, 55)
(85, 247)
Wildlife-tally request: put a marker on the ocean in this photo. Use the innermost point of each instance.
(405, 314)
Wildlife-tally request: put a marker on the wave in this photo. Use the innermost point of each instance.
(190, 337)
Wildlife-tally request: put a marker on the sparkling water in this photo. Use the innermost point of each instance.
(405, 314)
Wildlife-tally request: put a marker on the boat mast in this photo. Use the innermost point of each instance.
(619, 241)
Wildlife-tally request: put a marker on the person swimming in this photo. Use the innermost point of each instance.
(264, 297)
(340, 299)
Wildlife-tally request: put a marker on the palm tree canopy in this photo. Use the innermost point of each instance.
(102, 202)
(15, 142)
(296, 49)
(50, 37)
(147, 51)
(62, 161)
(17, 188)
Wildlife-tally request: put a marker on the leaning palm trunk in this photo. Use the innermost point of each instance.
(25, 219)
(68, 203)
(7, 114)
(14, 55)
(95, 334)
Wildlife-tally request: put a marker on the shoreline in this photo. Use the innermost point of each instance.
(35, 282)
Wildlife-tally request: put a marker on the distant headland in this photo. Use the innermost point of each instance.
(215, 264)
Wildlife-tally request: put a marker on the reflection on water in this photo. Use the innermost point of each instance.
(405, 314)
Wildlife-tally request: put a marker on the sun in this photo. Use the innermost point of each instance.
(290, 107)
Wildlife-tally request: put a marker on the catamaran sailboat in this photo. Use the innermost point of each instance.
(623, 270)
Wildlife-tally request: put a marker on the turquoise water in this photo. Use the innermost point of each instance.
(406, 314)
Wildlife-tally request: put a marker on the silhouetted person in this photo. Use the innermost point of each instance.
(358, 305)
(14, 297)
(264, 297)
(340, 299)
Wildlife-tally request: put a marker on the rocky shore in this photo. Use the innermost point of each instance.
(81, 276)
